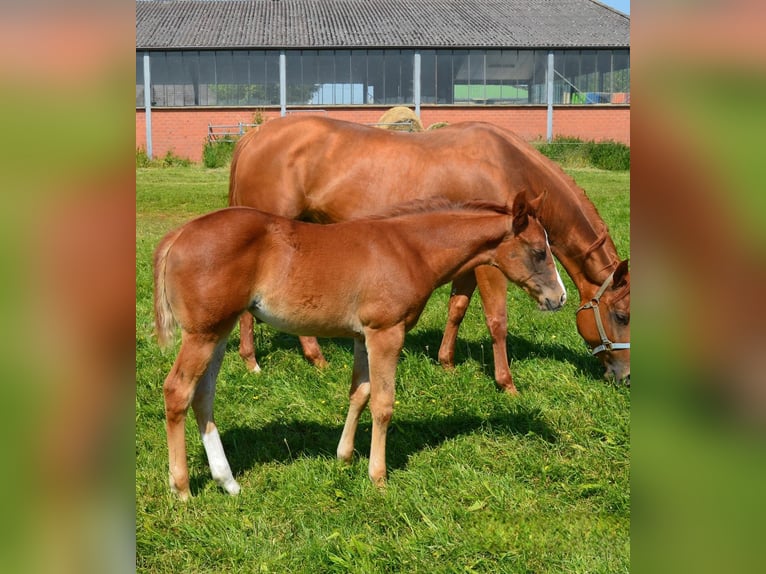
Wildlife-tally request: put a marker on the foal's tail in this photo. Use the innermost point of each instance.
(164, 321)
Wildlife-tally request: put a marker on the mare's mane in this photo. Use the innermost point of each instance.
(440, 204)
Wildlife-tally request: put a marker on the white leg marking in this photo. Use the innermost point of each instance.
(219, 465)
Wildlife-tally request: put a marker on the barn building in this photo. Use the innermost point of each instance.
(541, 68)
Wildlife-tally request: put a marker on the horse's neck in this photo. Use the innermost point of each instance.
(452, 244)
(588, 272)
(579, 239)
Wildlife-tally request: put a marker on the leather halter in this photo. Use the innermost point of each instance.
(606, 344)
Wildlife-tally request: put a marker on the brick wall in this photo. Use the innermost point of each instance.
(183, 131)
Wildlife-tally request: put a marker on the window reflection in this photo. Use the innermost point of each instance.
(384, 77)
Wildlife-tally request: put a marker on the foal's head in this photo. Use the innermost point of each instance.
(526, 259)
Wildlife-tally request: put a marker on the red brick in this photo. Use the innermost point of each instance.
(183, 131)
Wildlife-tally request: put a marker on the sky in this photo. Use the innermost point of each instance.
(621, 5)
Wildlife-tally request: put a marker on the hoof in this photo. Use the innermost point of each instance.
(183, 494)
(380, 483)
(231, 486)
(509, 389)
(379, 480)
(251, 365)
(447, 365)
(346, 459)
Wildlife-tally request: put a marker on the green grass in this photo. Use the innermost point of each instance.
(478, 481)
(573, 153)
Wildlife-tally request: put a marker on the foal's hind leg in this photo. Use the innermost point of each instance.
(203, 410)
(358, 397)
(462, 289)
(493, 288)
(180, 384)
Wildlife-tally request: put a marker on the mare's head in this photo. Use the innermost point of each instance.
(604, 323)
(526, 259)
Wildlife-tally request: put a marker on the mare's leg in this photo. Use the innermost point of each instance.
(311, 349)
(246, 345)
(358, 397)
(180, 384)
(460, 296)
(493, 288)
(383, 349)
(202, 403)
(312, 352)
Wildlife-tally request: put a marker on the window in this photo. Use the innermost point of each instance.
(383, 77)
(139, 79)
(592, 77)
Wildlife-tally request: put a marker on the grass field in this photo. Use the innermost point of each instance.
(478, 481)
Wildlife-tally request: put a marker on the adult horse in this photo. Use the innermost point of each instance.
(330, 170)
(288, 274)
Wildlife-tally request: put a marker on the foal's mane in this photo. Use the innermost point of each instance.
(440, 204)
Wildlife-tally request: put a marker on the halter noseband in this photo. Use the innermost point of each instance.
(606, 344)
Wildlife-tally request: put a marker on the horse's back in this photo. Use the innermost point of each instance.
(274, 167)
(229, 237)
(324, 170)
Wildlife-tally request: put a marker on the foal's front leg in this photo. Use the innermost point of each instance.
(358, 397)
(493, 288)
(383, 349)
(460, 297)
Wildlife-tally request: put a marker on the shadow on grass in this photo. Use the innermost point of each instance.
(429, 340)
(518, 349)
(285, 441)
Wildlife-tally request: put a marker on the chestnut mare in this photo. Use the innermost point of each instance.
(366, 279)
(330, 170)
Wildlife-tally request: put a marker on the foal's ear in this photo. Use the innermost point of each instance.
(521, 212)
(621, 275)
(536, 203)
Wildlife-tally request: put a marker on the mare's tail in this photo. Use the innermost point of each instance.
(164, 321)
(238, 147)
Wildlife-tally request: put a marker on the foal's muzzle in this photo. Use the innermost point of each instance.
(553, 304)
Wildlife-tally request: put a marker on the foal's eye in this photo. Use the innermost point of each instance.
(622, 318)
(539, 255)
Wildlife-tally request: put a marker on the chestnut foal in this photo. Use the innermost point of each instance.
(367, 279)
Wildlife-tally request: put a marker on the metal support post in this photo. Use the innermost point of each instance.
(148, 103)
(416, 83)
(282, 83)
(551, 71)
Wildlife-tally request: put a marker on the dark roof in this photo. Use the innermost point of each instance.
(197, 24)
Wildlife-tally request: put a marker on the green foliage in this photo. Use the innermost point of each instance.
(259, 116)
(169, 160)
(478, 481)
(217, 154)
(609, 155)
(246, 94)
(142, 158)
(572, 152)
